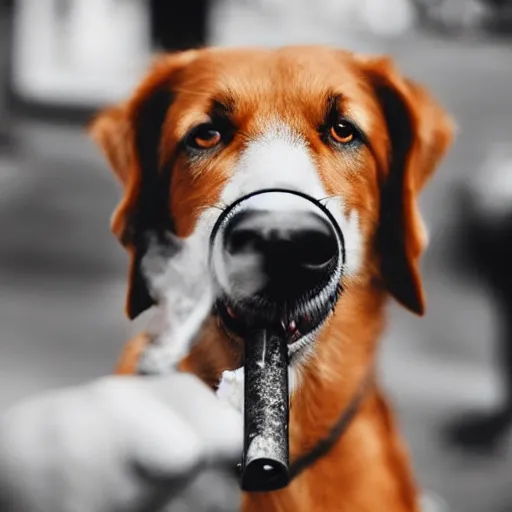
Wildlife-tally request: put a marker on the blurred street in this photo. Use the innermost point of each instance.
(62, 273)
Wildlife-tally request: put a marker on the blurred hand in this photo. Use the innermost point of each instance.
(120, 443)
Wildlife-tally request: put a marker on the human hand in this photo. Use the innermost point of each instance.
(119, 443)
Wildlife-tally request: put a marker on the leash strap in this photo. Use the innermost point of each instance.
(323, 446)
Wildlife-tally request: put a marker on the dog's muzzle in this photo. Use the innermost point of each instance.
(277, 257)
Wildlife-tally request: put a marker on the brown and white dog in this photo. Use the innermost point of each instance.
(209, 126)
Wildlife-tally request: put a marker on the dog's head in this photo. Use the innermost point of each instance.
(347, 141)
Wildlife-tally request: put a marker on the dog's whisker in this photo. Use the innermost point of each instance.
(212, 207)
(221, 206)
(327, 198)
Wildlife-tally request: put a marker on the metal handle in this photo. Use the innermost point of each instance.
(265, 464)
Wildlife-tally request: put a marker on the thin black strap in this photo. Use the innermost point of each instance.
(324, 445)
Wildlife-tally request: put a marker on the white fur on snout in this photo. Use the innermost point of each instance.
(182, 284)
(277, 159)
(352, 236)
(280, 158)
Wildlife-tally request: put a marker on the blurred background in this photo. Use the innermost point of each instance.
(62, 274)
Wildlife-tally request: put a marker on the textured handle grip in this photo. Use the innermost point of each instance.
(266, 413)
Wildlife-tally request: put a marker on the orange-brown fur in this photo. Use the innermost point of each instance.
(368, 469)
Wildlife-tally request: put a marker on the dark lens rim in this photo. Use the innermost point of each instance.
(317, 203)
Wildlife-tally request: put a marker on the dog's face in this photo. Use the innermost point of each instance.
(209, 127)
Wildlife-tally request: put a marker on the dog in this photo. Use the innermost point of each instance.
(209, 126)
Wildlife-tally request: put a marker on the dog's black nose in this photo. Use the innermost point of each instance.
(294, 251)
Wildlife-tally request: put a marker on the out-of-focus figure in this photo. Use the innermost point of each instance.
(486, 251)
(179, 25)
(459, 16)
(6, 129)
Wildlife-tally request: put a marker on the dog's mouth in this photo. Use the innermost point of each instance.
(298, 323)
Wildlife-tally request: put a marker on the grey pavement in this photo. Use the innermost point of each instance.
(62, 274)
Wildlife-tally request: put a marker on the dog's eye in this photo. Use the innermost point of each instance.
(343, 132)
(204, 136)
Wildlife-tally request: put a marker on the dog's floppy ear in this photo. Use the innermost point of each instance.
(420, 133)
(130, 136)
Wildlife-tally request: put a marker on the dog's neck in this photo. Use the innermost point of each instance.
(367, 468)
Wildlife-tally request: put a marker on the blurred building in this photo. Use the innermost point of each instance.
(87, 53)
